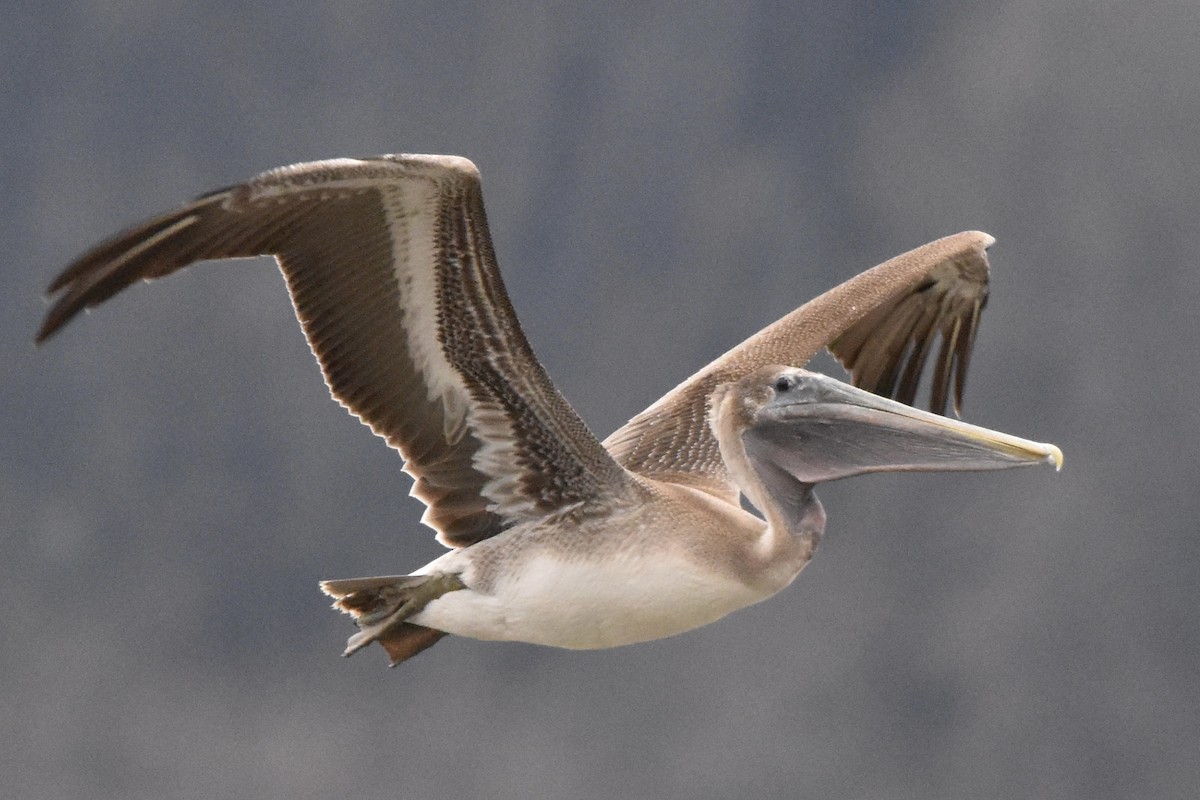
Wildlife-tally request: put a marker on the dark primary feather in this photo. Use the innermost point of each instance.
(886, 351)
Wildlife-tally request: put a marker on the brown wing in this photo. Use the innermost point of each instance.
(880, 325)
(390, 266)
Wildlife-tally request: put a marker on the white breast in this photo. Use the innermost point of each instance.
(587, 604)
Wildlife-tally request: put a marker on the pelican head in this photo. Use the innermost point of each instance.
(816, 428)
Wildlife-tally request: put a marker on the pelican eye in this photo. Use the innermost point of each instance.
(784, 382)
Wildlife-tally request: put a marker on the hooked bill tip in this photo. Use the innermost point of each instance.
(1054, 456)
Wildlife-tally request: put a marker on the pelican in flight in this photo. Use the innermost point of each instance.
(555, 537)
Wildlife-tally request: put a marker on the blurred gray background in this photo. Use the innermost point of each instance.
(661, 182)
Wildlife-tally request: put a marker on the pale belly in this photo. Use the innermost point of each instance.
(582, 604)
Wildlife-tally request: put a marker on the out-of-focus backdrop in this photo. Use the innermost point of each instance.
(661, 181)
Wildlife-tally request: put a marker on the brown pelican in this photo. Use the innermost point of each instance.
(555, 537)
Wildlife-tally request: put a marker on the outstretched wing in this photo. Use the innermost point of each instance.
(881, 325)
(390, 266)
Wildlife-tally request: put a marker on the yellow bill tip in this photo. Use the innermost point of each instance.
(1056, 456)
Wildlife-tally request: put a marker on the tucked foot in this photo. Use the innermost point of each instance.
(380, 607)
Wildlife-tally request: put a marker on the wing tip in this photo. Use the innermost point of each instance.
(62, 310)
(47, 329)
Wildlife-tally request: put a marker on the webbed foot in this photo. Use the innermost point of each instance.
(381, 606)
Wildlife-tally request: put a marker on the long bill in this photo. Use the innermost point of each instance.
(833, 430)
